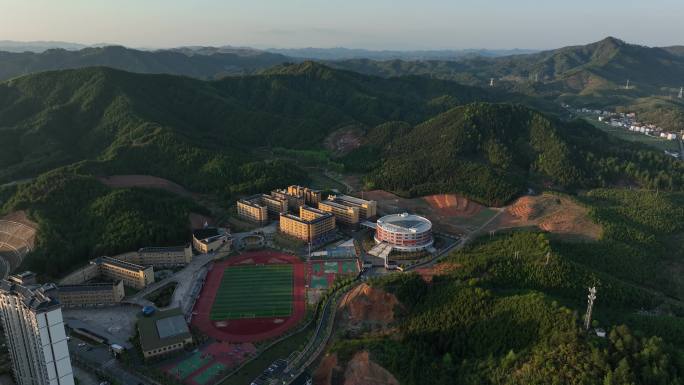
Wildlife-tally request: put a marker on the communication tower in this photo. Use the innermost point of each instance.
(590, 307)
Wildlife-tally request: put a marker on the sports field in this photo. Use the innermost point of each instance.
(254, 291)
(209, 373)
(184, 368)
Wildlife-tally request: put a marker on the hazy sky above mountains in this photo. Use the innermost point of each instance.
(373, 24)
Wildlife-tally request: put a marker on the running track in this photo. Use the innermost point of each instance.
(253, 329)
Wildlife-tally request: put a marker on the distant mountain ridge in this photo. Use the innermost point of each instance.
(604, 64)
(341, 53)
(13, 64)
(37, 46)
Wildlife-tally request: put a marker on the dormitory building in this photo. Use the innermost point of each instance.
(312, 225)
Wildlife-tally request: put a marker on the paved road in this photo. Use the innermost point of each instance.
(185, 279)
(458, 245)
(97, 357)
(318, 341)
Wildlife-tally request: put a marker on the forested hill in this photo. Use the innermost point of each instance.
(493, 152)
(606, 64)
(215, 65)
(172, 126)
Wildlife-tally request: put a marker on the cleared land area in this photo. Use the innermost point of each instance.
(254, 291)
(556, 214)
(450, 213)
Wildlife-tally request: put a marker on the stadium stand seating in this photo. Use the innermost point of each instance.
(16, 240)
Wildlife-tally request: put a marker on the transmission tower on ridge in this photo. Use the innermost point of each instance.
(590, 307)
(681, 92)
(491, 82)
(627, 85)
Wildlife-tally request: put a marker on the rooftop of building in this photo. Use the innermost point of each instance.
(25, 274)
(168, 249)
(349, 199)
(36, 297)
(163, 328)
(405, 223)
(337, 204)
(315, 210)
(323, 215)
(97, 286)
(254, 201)
(120, 263)
(298, 187)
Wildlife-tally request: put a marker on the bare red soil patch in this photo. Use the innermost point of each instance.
(369, 306)
(444, 268)
(555, 214)
(249, 329)
(453, 205)
(450, 213)
(324, 372)
(361, 370)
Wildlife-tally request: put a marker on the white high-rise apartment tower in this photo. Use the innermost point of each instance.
(34, 330)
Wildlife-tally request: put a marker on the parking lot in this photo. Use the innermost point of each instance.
(116, 323)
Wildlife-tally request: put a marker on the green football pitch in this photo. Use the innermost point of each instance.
(254, 291)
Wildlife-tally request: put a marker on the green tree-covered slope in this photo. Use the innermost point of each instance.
(492, 152)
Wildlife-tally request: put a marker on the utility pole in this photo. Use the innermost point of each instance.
(681, 92)
(627, 85)
(590, 307)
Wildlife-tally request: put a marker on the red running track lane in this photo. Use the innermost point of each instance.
(252, 329)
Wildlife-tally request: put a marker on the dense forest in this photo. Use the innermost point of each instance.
(80, 218)
(456, 331)
(419, 136)
(492, 152)
(504, 314)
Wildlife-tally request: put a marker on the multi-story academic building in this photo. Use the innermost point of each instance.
(252, 209)
(210, 239)
(348, 215)
(34, 331)
(163, 333)
(294, 202)
(312, 225)
(367, 209)
(91, 294)
(159, 256)
(311, 197)
(132, 275)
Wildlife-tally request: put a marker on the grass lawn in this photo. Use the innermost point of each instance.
(254, 291)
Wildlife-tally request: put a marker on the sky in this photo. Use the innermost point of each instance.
(371, 24)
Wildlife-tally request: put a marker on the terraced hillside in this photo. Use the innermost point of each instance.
(17, 239)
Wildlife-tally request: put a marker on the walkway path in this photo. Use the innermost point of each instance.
(185, 279)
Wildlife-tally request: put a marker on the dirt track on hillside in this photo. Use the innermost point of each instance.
(145, 181)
